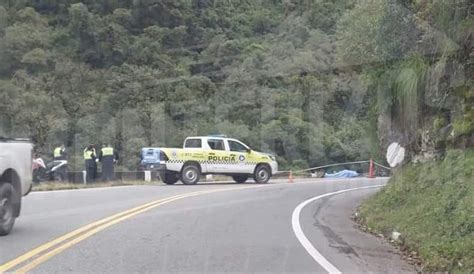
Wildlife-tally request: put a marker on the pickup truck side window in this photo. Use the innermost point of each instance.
(236, 146)
(193, 143)
(216, 144)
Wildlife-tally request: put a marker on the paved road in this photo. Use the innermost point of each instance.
(242, 229)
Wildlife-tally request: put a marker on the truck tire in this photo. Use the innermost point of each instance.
(240, 179)
(7, 210)
(190, 174)
(262, 174)
(170, 178)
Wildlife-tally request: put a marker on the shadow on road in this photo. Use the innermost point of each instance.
(215, 183)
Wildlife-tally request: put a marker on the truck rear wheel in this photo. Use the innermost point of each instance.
(7, 218)
(170, 178)
(240, 179)
(190, 174)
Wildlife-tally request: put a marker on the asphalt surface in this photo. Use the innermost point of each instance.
(238, 230)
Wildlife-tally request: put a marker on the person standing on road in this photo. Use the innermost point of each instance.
(108, 157)
(91, 165)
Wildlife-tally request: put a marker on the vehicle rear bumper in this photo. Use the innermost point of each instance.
(154, 167)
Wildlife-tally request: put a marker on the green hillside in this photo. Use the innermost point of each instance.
(150, 73)
(314, 82)
(432, 206)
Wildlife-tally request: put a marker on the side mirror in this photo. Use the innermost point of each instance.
(249, 150)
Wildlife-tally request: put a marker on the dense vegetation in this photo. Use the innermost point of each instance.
(313, 81)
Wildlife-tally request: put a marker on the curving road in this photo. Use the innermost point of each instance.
(209, 228)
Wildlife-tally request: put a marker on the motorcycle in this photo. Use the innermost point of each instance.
(52, 171)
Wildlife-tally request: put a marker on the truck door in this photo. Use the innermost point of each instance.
(240, 153)
(217, 156)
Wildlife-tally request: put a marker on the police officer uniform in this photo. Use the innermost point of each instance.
(59, 153)
(91, 166)
(108, 156)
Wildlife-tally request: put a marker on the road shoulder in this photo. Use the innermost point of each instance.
(340, 240)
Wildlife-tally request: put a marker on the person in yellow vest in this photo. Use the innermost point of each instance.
(90, 162)
(59, 153)
(108, 157)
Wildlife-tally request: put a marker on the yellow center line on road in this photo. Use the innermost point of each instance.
(70, 239)
(48, 245)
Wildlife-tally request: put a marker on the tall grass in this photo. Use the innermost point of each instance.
(408, 90)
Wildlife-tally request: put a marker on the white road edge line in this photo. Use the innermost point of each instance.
(312, 251)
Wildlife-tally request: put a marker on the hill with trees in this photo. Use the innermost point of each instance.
(314, 82)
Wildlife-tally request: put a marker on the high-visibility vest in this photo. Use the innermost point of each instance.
(88, 154)
(107, 151)
(57, 152)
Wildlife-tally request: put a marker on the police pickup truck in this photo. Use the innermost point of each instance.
(15, 179)
(204, 155)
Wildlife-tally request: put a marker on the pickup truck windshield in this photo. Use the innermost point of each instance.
(236, 146)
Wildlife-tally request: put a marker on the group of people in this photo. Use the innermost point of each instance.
(107, 156)
(57, 169)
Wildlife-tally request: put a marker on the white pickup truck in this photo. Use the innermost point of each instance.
(202, 155)
(15, 179)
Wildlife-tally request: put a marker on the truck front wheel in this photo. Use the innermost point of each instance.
(7, 210)
(262, 174)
